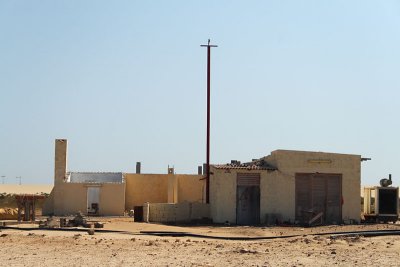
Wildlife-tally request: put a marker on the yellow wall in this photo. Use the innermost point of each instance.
(291, 162)
(70, 198)
(112, 199)
(223, 195)
(162, 188)
(141, 188)
(190, 188)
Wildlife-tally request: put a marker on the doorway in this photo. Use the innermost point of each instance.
(248, 199)
(93, 200)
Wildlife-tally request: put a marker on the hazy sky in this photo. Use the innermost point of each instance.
(125, 81)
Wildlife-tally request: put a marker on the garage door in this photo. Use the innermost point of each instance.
(316, 193)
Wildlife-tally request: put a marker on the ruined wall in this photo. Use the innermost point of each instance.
(178, 212)
(48, 205)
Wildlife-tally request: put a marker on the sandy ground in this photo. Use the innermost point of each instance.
(25, 188)
(55, 248)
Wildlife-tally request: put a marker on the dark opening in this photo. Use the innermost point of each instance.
(387, 201)
(138, 213)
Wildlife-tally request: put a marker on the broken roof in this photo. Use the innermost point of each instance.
(95, 177)
(260, 164)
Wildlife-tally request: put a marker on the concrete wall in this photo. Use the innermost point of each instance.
(162, 188)
(223, 195)
(277, 188)
(69, 198)
(112, 199)
(190, 188)
(178, 212)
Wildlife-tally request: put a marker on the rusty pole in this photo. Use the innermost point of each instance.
(208, 120)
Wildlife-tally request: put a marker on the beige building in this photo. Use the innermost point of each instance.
(86, 192)
(286, 186)
(292, 186)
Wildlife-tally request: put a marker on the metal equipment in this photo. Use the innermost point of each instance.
(381, 203)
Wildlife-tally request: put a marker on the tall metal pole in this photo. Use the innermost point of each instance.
(208, 119)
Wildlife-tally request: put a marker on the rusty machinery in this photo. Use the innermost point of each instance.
(381, 203)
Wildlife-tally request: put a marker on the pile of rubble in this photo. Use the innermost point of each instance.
(78, 221)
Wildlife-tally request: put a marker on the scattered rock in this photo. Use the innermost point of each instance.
(150, 243)
(242, 250)
(3, 235)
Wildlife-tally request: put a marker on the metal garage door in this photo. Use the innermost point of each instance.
(248, 198)
(317, 193)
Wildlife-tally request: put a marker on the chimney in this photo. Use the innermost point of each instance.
(60, 160)
(138, 165)
(204, 169)
(199, 170)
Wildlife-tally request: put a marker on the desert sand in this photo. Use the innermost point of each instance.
(56, 248)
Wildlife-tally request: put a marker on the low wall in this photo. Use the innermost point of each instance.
(176, 213)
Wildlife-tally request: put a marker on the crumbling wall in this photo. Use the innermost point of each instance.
(184, 212)
(48, 205)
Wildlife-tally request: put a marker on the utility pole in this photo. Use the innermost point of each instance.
(20, 179)
(208, 120)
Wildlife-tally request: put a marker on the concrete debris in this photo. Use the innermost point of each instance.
(50, 222)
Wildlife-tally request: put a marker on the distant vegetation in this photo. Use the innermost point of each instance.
(8, 201)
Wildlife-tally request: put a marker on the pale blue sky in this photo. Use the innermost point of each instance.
(124, 81)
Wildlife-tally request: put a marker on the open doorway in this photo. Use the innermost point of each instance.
(93, 200)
